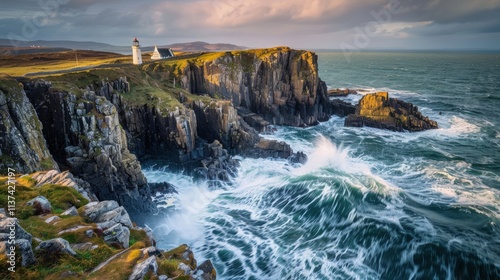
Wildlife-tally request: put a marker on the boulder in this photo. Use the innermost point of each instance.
(117, 235)
(207, 271)
(41, 205)
(141, 269)
(70, 212)
(51, 219)
(27, 256)
(118, 215)
(299, 157)
(107, 213)
(379, 111)
(55, 246)
(94, 209)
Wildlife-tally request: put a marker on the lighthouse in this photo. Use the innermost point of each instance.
(136, 52)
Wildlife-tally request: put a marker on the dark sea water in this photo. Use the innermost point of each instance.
(369, 204)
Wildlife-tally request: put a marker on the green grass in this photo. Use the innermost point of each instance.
(139, 236)
(62, 197)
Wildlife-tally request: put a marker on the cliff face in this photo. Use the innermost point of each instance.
(85, 134)
(281, 85)
(22, 145)
(151, 129)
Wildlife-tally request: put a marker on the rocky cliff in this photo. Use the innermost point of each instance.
(60, 234)
(22, 145)
(281, 85)
(84, 135)
(379, 111)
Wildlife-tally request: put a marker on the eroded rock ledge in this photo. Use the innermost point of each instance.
(379, 111)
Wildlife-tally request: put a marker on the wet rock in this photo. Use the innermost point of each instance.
(379, 111)
(162, 187)
(342, 108)
(208, 271)
(299, 157)
(56, 247)
(141, 269)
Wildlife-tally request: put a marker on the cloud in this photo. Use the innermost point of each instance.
(248, 21)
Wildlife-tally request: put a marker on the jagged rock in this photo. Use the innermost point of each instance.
(41, 205)
(219, 165)
(56, 246)
(70, 212)
(266, 148)
(64, 179)
(162, 187)
(379, 111)
(22, 145)
(141, 269)
(281, 85)
(208, 271)
(102, 158)
(51, 219)
(298, 157)
(118, 215)
(342, 108)
(255, 121)
(341, 92)
(107, 213)
(117, 235)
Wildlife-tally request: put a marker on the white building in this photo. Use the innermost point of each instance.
(136, 52)
(162, 53)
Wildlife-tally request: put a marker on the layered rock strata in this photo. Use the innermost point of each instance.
(379, 111)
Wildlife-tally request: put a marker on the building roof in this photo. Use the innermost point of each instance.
(135, 40)
(160, 53)
(165, 52)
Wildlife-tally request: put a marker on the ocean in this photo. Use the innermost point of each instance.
(369, 204)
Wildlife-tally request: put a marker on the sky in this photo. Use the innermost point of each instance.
(308, 24)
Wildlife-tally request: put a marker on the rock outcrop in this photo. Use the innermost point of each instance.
(379, 111)
(22, 145)
(84, 133)
(281, 85)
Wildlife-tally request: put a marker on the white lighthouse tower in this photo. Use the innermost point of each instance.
(136, 52)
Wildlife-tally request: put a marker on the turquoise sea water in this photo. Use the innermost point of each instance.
(369, 204)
